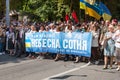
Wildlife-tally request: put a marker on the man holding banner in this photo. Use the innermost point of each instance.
(28, 44)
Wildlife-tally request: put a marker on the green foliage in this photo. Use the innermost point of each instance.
(62, 8)
(2, 8)
(42, 9)
(16, 4)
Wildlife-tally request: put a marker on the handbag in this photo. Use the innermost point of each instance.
(104, 43)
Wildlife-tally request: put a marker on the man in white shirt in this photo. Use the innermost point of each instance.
(52, 27)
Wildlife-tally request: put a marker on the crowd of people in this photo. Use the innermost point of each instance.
(105, 40)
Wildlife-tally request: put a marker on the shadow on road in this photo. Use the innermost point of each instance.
(4, 59)
(66, 76)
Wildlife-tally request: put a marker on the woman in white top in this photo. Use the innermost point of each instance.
(41, 54)
(116, 37)
(109, 47)
(32, 30)
(42, 28)
(58, 56)
(94, 50)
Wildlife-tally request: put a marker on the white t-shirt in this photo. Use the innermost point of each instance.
(117, 38)
(95, 39)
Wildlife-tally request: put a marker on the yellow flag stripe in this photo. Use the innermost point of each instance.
(27, 45)
(93, 13)
(82, 5)
(106, 16)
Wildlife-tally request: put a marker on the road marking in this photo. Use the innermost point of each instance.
(63, 73)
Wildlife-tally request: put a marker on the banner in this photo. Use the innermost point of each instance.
(64, 43)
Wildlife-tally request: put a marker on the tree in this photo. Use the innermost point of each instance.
(2, 8)
(16, 4)
(52, 9)
(40, 10)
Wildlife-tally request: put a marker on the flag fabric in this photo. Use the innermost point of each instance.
(105, 11)
(91, 1)
(27, 44)
(74, 16)
(66, 17)
(82, 4)
(93, 10)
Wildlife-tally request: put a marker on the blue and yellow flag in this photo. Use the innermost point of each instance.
(27, 43)
(105, 11)
(82, 4)
(92, 10)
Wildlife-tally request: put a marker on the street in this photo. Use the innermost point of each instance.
(81, 33)
(12, 68)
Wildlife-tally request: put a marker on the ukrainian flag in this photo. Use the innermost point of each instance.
(93, 10)
(27, 44)
(105, 11)
(82, 3)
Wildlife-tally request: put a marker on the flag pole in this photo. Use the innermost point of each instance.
(80, 14)
(7, 13)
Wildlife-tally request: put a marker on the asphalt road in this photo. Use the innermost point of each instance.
(12, 68)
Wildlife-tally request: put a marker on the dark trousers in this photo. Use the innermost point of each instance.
(17, 47)
(20, 47)
(95, 54)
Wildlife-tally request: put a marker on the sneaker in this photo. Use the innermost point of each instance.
(118, 69)
(0, 53)
(38, 57)
(116, 63)
(90, 63)
(29, 56)
(96, 62)
(32, 57)
(110, 67)
(3, 53)
(105, 67)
